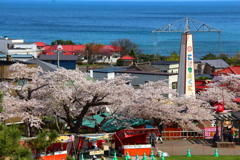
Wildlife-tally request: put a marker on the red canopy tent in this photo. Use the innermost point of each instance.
(134, 141)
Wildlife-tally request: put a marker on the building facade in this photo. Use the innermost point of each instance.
(17, 47)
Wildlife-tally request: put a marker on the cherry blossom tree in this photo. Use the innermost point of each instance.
(20, 100)
(74, 96)
(226, 88)
(69, 95)
(157, 101)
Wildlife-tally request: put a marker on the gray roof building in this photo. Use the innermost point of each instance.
(44, 65)
(217, 63)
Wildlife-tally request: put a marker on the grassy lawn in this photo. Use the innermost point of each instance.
(202, 158)
(222, 157)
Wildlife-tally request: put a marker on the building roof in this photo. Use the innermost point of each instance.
(17, 56)
(127, 57)
(107, 48)
(66, 49)
(217, 63)
(75, 49)
(145, 66)
(40, 44)
(164, 62)
(109, 70)
(146, 72)
(61, 57)
(230, 70)
(44, 65)
(113, 124)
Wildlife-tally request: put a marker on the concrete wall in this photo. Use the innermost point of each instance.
(173, 68)
(104, 59)
(144, 78)
(99, 75)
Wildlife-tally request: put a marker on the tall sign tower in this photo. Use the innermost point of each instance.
(186, 75)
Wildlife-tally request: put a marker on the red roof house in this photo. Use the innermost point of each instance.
(127, 57)
(230, 70)
(110, 48)
(40, 44)
(75, 49)
(127, 60)
(67, 49)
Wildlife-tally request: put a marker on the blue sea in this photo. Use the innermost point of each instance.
(107, 21)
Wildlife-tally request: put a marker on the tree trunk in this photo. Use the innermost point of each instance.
(79, 119)
(60, 127)
(29, 130)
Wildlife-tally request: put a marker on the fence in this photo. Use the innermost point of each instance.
(187, 135)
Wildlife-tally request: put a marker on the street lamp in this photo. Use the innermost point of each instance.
(59, 48)
(87, 60)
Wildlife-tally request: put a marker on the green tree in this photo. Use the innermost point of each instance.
(202, 78)
(119, 62)
(44, 140)
(235, 59)
(225, 57)
(62, 42)
(10, 144)
(173, 57)
(209, 56)
(149, 57)
(1, 100)
(133, 54)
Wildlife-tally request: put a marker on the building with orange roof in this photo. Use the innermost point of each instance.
(106, 53)
(127, 60)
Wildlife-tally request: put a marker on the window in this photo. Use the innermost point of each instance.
(174, 85)
(116, 56)
(22, 83)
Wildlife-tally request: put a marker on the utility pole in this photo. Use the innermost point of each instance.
(87, 60)
(59, 48)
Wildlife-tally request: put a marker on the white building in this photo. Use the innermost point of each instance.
(145, 77)
(166, 66)
(108, 73)
(17, 47)
(142, 76)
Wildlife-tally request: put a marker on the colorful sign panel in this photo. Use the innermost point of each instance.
(186, 77)
(190, 77)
